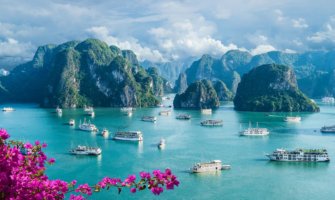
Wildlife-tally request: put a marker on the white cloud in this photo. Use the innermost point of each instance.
(13, 48)
(188, 38)
(264, 48)
(299, 23)
(289, 51)
(325, 35)
(143, 53)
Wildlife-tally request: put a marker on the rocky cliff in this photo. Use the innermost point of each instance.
(76, 73)
(271, 88)
(199, 95)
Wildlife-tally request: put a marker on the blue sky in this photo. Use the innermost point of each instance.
(169, 30)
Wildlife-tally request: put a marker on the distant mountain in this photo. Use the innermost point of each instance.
(77, 73)
(271, 88)
(169, 70)
(309, 67)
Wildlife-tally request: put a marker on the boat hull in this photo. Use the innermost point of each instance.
(128, 139)
(274, 158)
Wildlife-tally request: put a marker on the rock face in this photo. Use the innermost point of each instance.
(75, 73)
(313, 69)
(181, 84)
(169, 70)
(271, 88)
(199, 95)
(222, 91)
(211, 69)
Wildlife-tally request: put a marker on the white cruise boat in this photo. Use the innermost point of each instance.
(329, 100)
(7, 109)
(161, 144)
(59, 111)
(206, 111)
(212, 166)
(165, 112)
(328, 129)
(72, 122)
(300, 155)
(292, 119)
(87, 126)
(126, 109)
(149, 119)
(90, 113)
(255, 131)
(184, 117)
(85, 150)
(128, 135)
(212, 122)
(104, 132)
(128, 113)
(88, 109)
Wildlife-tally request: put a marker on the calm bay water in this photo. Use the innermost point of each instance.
(252, 176)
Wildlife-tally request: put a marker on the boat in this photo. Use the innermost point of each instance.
(328, 129)
(254, 131)
(85, 150)
(328, 100)
(7, 109)
(149, 119)
(59, 111)
(292, 119)
(128, 135)
(126, 109)
(87, 126)
(212, 122)
(206, 111)
(104, 132)
(183, 117)
(72, 122)
(161, 144)
(211, 166)
(91, 113)
(129, 113)
(88, 109)
(165, 112)
(300, 155)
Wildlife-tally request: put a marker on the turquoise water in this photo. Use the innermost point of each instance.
(252, 176)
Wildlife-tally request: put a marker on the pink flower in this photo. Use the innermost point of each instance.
(130, 180)
(28, 146)
(37, 142)
(168, 172)
(85, 189)
(3, 134)
(145, 175)
(51, 161)
(73, 182)
(132, 190)
(76, 197)
(44, 145)
(157, 190)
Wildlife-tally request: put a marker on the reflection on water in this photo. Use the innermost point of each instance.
(298, 165)
(140, 147)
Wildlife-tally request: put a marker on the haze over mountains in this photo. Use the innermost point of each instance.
(91, 72)
(314, 69)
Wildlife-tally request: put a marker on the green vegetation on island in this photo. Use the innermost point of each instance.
(199, 95)
(272, 88)
(76, 73)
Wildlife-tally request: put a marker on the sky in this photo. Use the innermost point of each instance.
(162, 31)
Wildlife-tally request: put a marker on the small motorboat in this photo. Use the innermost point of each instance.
(161, 144)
